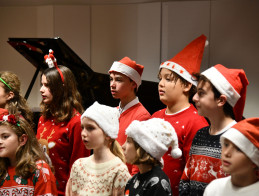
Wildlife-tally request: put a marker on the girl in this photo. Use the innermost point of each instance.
(23, 170)
(146, 143)
(10, 96)
(59, 127)
(240, 159)
(104, 172)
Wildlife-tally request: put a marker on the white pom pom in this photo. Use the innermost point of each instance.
(206, 43)
(176, 153)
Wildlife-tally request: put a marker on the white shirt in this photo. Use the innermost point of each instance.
(129, 105)
(224, 187)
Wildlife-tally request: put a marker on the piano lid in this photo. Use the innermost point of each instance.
(93, 86)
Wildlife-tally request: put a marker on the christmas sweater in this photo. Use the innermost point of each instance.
(42, 182)
(153, 182)
(224, 187)
(204, 163)
(135, 112)
(63, 145)
(91, 179)
(186, 124)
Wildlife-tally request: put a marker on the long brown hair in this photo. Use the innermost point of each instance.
(17, 103)
(26, 155)
(66, 98)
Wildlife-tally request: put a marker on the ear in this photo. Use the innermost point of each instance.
(10, 95)
(187, 88)
(221, 101)
(134, 85)
(23, 139)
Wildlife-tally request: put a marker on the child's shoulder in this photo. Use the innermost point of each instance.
(40, 164)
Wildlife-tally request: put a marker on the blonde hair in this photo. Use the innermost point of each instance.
(27, 154)
(17, 103)
(117, 150)
(143, 157)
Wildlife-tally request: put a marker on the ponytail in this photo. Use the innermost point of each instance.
(117, 150)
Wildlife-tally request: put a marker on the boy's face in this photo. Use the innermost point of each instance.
(204, 99)
(234, 161)
(169, 90)
(129, 150)
(121, 85)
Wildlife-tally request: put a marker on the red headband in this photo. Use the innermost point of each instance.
(52, 62)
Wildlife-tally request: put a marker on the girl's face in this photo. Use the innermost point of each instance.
(234, 161)
(121, 86)
(47, 96)
(129, 150)
(9, 143)
(170, 91)
(4, 97)
(204, 99)
(92, 135)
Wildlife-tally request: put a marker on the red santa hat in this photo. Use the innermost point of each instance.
(188, 61)
(245, 135)
(232, 83)
(129, 68)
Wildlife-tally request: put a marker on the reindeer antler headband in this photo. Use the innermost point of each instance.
(52, 62)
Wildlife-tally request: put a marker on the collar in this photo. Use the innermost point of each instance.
(129, 105)
(227, 127)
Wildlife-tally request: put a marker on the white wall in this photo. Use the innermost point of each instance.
(148, 33)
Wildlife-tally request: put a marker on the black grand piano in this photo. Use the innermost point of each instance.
(93, 86)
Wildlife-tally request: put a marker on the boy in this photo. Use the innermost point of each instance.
(146, 143)
(220, 97)
(176, 87)
(125, 78)
(240, 159)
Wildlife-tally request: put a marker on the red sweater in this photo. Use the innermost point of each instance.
(186, 123)
(42, 182)
(63, 144)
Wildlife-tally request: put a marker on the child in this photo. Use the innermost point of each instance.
(240, 159)
(10, 96)
(220, 97)
(104, 172)
(59, 127)
(146, 143)
(125, 79)
(23, 170)
(176, 86)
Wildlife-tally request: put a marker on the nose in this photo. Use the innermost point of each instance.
(42, 89)
(228, 151)
(124, 146)
(195, 97)
(112, 83)
(161, 83)
(83, 133)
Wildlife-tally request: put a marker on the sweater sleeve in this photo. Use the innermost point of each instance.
(120, 180)
(184, 185)
(44, 180)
